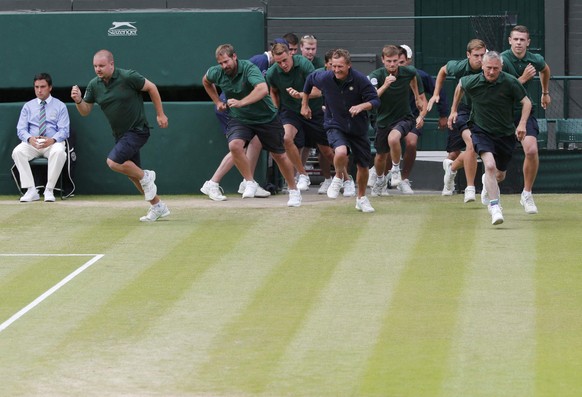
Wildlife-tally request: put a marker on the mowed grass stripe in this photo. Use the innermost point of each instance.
(559, 298)
(171, 338)
(416, 330)
(494, 341)
(30, 278)
(170, 258)
(329, 353)
(246, 353)
(63, 317)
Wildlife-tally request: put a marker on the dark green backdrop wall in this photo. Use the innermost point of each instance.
(183, 155)
(171, 48)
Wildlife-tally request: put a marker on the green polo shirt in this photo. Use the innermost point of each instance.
(239, 86)
(318, 63)
(459, 69)
(121, 100)
(493, 103)
(515, 66)
(295, 79)
(395, 102)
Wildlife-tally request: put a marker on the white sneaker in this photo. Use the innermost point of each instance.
(49, 196)
(262, 193)
(303, 182)
(213, 190)
(30, 195)
(484, 194)
(447, 192)
(405, 188)
(349, 188)
(449, 178)
(324, 186)
(147, 183)
(528, 204)
(395, 178)
(372, 176)
(241, 187)
(469, 194)
(294, 198)
(496, 214)
(335, 187)
(250, 189)
(160, 210)
(379, 187)
(363, 204)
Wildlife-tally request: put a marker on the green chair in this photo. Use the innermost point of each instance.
(568, 131)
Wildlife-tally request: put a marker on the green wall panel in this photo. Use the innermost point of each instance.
(171, 48)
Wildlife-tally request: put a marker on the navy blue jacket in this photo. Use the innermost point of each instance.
(340, 97)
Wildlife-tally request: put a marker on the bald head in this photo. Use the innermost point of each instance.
(103, 64)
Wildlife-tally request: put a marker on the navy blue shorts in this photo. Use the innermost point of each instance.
(128, 146)
(404, 125)
(531, 127)
(270, 134)
(358, 145)
(501, 147)
(311, 129)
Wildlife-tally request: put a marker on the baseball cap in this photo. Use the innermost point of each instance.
(408, 50)
(280, 40)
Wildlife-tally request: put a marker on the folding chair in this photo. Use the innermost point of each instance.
(39, 167)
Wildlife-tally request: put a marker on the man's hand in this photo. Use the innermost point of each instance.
(293, 93)
(452, 120)
(528, 73)
(76, 94)
(162, 121)
(434, 99)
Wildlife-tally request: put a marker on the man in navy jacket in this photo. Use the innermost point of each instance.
(348, 96)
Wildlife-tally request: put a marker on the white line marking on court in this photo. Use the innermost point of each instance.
(52, 290)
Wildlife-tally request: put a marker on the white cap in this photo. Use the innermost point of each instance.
(408, 50)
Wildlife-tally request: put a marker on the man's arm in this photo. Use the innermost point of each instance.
(63, 125)
(260, 91)
(440, 81)
(370, 99)
(525, 112)
(154, 94)
(456, 100)
(275, 96)
(545, 74)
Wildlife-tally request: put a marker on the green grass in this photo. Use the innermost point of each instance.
(424, 297)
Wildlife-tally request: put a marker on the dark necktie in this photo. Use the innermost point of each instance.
(42, 126)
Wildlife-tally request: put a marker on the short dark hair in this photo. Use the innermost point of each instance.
(43, 76)
(328, 55)
(520, 29)
(291, 38)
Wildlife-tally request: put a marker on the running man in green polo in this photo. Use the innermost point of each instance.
(119, 94)
(493, 94)
(395, 119)
(285, 77)
(252, 113)
(459, 137)
(524, 65)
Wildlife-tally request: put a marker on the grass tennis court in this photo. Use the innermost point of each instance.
(424, 297)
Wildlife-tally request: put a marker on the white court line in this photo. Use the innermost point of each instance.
(51, 291)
